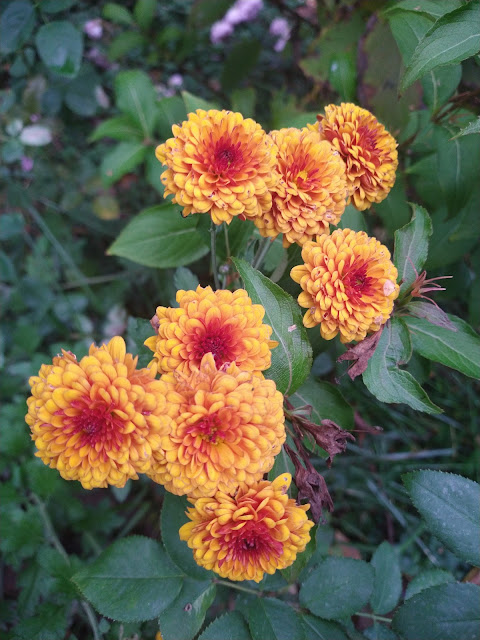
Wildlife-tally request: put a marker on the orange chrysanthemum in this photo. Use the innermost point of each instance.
(369, 151)
(227, 427)
(349, 284)
(313, 190)
(97, 420)
(221, 322)
(219, 163)
(258, 530)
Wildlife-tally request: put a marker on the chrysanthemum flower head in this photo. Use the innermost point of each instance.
(97, 420)
(221, 163)
(224, 323)
(369, 151)
(349, 284)
(312, 192)
(227, 427)
(257, 530)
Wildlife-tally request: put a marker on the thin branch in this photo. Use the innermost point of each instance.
(55, 541)
(213, 251)
(238, 587)
(261, 253)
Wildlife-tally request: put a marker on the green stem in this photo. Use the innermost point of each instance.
(261, 253)
(372, 616)
(49, 530)
(227, 242)
(55, 541)
(63, 254)
(213, 251)
(233, 585)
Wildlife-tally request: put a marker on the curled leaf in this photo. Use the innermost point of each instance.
(361, 353)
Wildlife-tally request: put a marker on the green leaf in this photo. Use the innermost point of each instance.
(292, 359)
(60, 46)
(192, 103)
(454, 37)
(118, 14)
(243, 100)
(138, 330)
(49, 621)
(457, 161)
(230, 626)
(440, 85)
(450, 506)
(352, 219)
(337, 587)
(80, 96)
(21, 533)
(272, 619)
(431, 313)
(16, 25)
(317, 629)
(411, 246)
(55, 6)
(144, 12)
(136, 97)
(394, 210)
(458, 349)
(342, 75)
(240, 62)
(326, 401)
(132, 580)
(172, 517)
(380, 632)
(432, 8)
(119, 128)
(385, 380)
(426, 579)
(184, 617)
(124, 43)
(473, 127)
(387, 587)
(170, 111)
(160, 237)
(446, 611)
(184, 279)
(121, 160)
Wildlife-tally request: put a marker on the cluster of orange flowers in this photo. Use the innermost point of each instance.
(292, 182)
(296, 183)
(211, 425)
(209, 428)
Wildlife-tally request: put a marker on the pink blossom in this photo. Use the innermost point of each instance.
(279, 27)
(243, 11)
(94, 29)
(175, 80)
(219, 31)
(26, 163)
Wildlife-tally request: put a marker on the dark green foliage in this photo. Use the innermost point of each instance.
(90, 249)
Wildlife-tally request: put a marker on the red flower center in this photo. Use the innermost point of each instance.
(226, 157)
(218, 342)
(208, 428)
(97, 423)
(367, 139)
(250, 543)
(357, 283)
